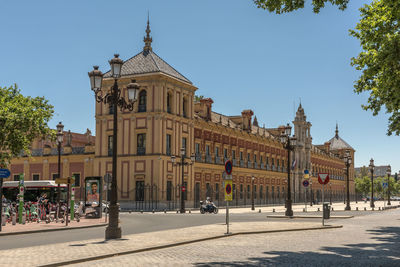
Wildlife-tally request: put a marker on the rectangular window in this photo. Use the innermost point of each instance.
(56, 176)
(184, 144)
(272, 162)
(185, 192)
(241, 191)
(234, 191)
(248, 191)
(217, 151)
(261, 159)
(77, 179)
(168, 145)
(35, 177)
(225, 153)
(266, 160)
(255, 158)
(217, 191)
(110, 145)
(261, 192)
(197, 148)
(141, 144)
(207, 150)
(208, 190)
(169, 190)
(241, 155)
(233, 154)
(277, 163)
(110, 108)
(16, 177)
(248, 156)
(255, 191)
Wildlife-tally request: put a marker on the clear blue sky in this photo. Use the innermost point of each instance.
(240, 56)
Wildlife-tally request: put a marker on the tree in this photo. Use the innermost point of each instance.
(379, 35)
(22, 119)
(363, 185)
(284, 6)
(197, 98)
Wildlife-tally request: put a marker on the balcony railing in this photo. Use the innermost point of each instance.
(268, 167)
(249, 164)
(217, 160)
(208, 158)
(242, 163)
(234, 162)
(273, 168)
(255, 165)
(110, 152)
(142, 108)
(198, 157)
(262, 166)
(141, 151)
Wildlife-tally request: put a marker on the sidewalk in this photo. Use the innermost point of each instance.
(298, 207)
(35, 227)
(81, 251)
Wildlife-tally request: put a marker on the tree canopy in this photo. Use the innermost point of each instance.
(22, 119)
(379, 34)
(284, 6)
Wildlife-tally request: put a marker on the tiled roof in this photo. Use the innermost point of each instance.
(338, 143)
(148, 62)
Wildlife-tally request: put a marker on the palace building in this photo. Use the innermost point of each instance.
(167, 118)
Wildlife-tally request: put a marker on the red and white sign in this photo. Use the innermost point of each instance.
(183, 189)
(323, 178)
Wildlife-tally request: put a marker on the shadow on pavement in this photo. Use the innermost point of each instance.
(386, 253)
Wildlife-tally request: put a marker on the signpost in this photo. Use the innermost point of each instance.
(323, 178)
(306, 183)
(228, 190)
(4, 173)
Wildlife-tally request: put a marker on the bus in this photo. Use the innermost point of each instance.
(33, 190)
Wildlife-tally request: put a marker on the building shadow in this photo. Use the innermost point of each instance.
(384, 253)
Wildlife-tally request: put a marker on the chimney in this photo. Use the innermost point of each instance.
(246, 119)
(203, 108)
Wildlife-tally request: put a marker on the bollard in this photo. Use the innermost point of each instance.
(177, 211)
(318, 209)
(373, 208)
(14, 219)
(190, 211)
(131, 211)
(165, 210)
(379, 208)
(304, 210)
(141, 211)
(259, 211)
(23, 217)
(356, 208)
(153, 211)
(273, 210)
(332, 209)
(365, 208)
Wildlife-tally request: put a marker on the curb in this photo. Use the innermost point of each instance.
(309, 217)
(52, 230)
(185, 243)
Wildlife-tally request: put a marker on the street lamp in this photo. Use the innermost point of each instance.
(289, 145)
(330, 193)
(371, 169)
(389, 172)
(60, 138)
(252, 193)
(182, 164)
(347, 162)
(114, 99)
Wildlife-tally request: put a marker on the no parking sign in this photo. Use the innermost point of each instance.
(228, 190)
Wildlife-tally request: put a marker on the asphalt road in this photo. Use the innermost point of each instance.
(141, 223)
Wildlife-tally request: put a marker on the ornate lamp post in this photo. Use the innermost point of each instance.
(371, 169)
(347, 162)
(182, 163)
(252, 193)
(114, 99)
(289, 144)
(388, 172)
(60, 138)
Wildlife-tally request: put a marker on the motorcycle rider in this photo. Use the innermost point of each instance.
(209, 203)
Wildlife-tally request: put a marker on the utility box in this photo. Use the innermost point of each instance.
(326, 210)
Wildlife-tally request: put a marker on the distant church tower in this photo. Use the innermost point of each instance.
(302, 152)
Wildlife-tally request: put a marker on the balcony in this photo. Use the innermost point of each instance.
(142, 108)
(141, 151)
(249, 164)
(268, 167)
(273, 168)
(234, 162)
(198, 157)
(262, 166)
(217, 160)
(168, 151)
(109, 152)
(242, 163)
(208, 159)
(255, 165)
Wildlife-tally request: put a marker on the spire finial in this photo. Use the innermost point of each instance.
(337, 131)
(147, 39)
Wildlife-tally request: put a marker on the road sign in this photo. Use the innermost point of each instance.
(228, 167)
(65, 180)
(323, 178)
(306, 183)
(228, 190)
(4, 173)
(306, 174)
(183, 189)
(107, 178)
(384, 185)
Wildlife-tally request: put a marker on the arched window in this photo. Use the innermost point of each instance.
(142, 101)
(169, 102)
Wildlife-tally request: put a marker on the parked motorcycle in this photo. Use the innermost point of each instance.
(210, 208)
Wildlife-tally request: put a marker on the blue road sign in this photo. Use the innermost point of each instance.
(4, 173)
(306, 183)
(385, 185)
(228, 167)
(306, 172)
